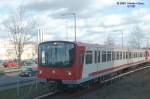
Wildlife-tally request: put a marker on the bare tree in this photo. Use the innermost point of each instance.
(135, 38)
(20, 28)
(109, 41)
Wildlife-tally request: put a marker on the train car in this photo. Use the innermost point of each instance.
(74, 63)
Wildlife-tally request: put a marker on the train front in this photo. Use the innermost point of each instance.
(57, 62)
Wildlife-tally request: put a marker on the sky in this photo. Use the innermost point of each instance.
(96, 19)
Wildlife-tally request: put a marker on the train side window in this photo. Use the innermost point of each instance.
(104, 56)
(88, 57)
(124, 55)
(99, 56)
(113, 55)
(138, 54)
(120, 55)
(96, 56)
(142, 54)
(117, 56)
(81, 58)
(129, 54)
(43, 57)
(109, 56)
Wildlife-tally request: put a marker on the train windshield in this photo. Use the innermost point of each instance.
(56, 54)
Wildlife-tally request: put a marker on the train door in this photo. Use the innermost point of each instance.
(96, 58)
(146, 55)
(88, 60)
(99, 58)
(81, 58)
(109, 56)
(113, 57)
(128, 56)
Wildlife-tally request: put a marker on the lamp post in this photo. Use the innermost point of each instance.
(40, 35)
(75, 23)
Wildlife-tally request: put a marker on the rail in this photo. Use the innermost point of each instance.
(139, 68)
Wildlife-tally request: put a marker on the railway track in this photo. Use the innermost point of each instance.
(98, 84)
(46, 95)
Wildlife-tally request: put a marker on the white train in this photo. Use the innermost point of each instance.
(74, 63)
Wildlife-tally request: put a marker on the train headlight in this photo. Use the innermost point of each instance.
(68, 73)
(40, 72)
(53, 71)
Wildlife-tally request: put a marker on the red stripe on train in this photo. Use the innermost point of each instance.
(113, 68)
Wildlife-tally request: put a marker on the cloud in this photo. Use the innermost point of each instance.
(113, 19)
(95, 18)
(3, 32)
(83, 8)
(51, 5)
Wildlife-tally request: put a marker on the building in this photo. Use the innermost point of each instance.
(7, 51)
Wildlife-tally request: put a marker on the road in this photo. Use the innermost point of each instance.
(2, 68)
(9, 80)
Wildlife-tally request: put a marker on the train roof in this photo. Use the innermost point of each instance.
(95, 45)
(105, 46)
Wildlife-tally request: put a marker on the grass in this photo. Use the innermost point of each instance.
(25, 92)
